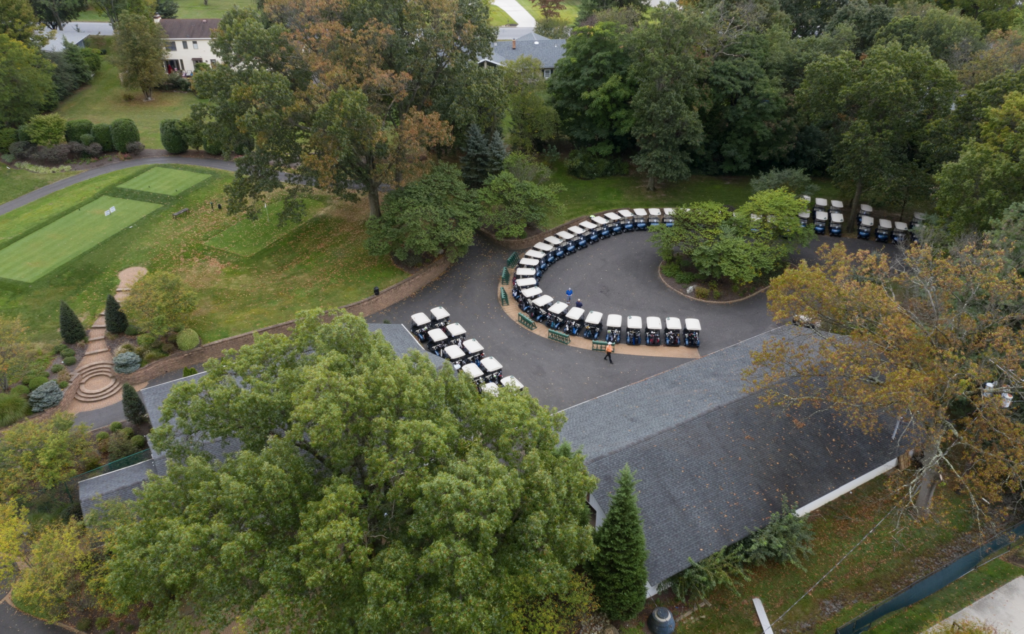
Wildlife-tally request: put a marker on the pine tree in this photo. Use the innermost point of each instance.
(476, 162)
(618, 571)
(71, 328)
(117, 321)
(496, 154)
(134, 410)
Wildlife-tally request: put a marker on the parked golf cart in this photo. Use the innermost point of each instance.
(573, 321)
(691, 333)
(556, 315)
(539, 308)
(615, 222)
(529, 262)
(535, 254)
(579, 237)
(899, 232)
(548, 251)
(473, 372)
(526, 295)
(865, 210)
(865, 227)
(653, 217)
(437, 340)
(569, 240)
(884, 231)
(613, 329)
(670, 216)
(604, 228)
(673, 331)
(491, 368)
(805, 218)
(592, 231)
(512, 383)
(474, 351)
(820, 204)
(628, 221)
(525, 271)
(820, 222)
(652, 334)
(456, 355)
(641, 219)
(439, 317)
(420, 326)
(633, 327)
(558, 244)
(836, 207)
(592, 325)
(520, 285)
(491, 389)
(456, 333)
(835, 227)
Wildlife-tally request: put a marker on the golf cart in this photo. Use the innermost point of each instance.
(548, 251)
(653, 217)
(592, 325)
(526, 295)
(474, 351)
(456, 333)
(691, 333)
(512, 382)
(591, 231)
(835, 227)
(633, 327)
(490, 389)
(884, 231)
(918, 221)
(573, 320)
(579, 237)
(865, 210)
(525, 271)
(437, 340)
(628, 221)
(439, 317)
(420, 326)
(521, 284)
(456, 355)
(531, 262)
(899, 232)
(535, 254)
(556, 315)
(836, 207)
(569, 240)
(539, 307)
(673, 330)
(670, 216)
(473, 372)
(491, 368)
(820, 204)
(604, 228)
(615, 222)
(820, 222)
(613, 329)
(641, 219)
(558, 245)
(865, 227)
(805, 218)
(652, 335)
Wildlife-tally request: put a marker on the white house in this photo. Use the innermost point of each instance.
(188, 44)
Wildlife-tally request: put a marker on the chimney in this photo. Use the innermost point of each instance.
(513, 44)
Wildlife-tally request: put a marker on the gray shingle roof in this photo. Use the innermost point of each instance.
(116, 485)
(545, 50)
(191, 29)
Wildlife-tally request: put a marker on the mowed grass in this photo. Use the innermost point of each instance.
(16, 182)
(68, 237)
(249, 237)
(499, 17)
(165, 180)
(322, 263)
(102, 102)
(569, 13)
(186, 9)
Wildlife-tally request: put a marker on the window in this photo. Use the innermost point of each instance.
(184, 45)
(172, 46)
(547, 73)
(195, 45)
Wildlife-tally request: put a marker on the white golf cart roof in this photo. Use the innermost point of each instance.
(806, 197)
(529, 262)
(589, 226)
(837, 217)
(901, 226)
(837, 204)
(669, 211)
(437, 335)
(554, 241)
(820, 202)
(640, 213)
(692, 324)
(439, 313)
(455, 330)
(655, 212)
(472, 371)
(626, 214)
(533, 291)
(919, 216)
(490, 388)
(614, 321)
(821, 215)
(654, 323)
(574, 313)
(558, 308)
(577, 231)
(673, 323)
(542, 301)
(472, 346)
(884, 223)
(634, 322)
(544, 247)
(526, 282)
(866, 208)
(454, 353)
(804, 214)
(565, 235)
(612, 216)
(534, 253)
(599, 220)
(867, 221)
(420, 319)
(593, 318)
(490, 364)
(526, 271)
(755, 218)
(511, 381)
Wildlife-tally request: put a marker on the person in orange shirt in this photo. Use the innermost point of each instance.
(608, 350)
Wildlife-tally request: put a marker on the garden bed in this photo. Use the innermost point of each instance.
(716, 293)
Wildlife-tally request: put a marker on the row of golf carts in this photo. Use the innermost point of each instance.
(828, 217)
(448, 341)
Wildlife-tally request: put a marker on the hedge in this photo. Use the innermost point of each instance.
(123, 132)
(171, 137)
(101, 131)
(76, 129)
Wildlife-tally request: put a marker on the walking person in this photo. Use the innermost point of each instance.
(608, 350)
(579, 303)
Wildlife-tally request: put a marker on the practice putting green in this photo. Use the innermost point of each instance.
(165, 180)
(63, 240)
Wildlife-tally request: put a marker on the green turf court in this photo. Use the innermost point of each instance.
(248, 237)
(166, 181)
(63, 240)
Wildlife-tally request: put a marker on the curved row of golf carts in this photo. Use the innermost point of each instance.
(447, 340)
(828, 218)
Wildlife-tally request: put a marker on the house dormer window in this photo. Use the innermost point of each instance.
(547, 73)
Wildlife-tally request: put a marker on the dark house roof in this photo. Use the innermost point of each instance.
(189, 29)
(711, 465)
(545, 50)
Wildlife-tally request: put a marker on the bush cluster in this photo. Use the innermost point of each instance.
(123, 132)
(127, 362)
(175, 81)
(101, 132)
(187, 339)
(54, 154)
(75, 130)
(45, 396)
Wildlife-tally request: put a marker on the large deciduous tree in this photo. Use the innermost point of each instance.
(160, 300)
(533, 119)
(19, 22)
(511, 204)
(56, 13)
(371, 494)
(41, 453)
(139, 52)
(914, 339)
(26, 81)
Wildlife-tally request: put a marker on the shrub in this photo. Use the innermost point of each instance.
(20, 390)
(40, 169)
(552, 612)
(125, 347)
(75, 129)
(212, 147)
(120, 444)
(132, 330)
(36, 381)
(117, 321)
(701, 293)
(168, 347)
(87, 139)
(94, 149)
(189, 372)
(8, 136)
(46, 129)
(102, 622)
(56, 367)
(63, 384)
(116, 426)
(83, 624)
(71, 329)
(23, 133)
(720, 570)
(127, 362)
(134, 410)
(45, 396)
(100, 437)
(792, 178)
(171, 136)
(146, 340)
(152, 355)
(54, 154)
(12, 409)
(20, 149)
(69, 359)
(76, 149)
(175, 81)
(188, 339)
(102, 133)
(123, 132)
(135, 148)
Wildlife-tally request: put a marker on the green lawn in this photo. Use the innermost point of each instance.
(102, 102)
(165, 180)
(323, 262)
(569, 13)
(499, 17)
(186, 9)
(63, 240)
(249, 237)
(15, 182)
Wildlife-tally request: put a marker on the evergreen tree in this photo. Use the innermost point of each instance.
(117, 321)
(618, 571)
(478, 162)
(496, 154)
(134, 410)
(71, 328)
